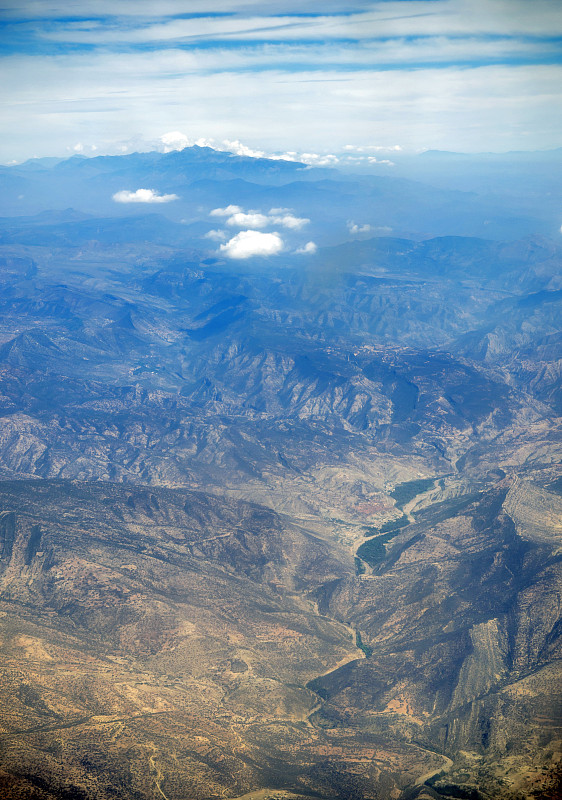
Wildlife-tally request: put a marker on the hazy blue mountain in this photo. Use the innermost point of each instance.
(205, 179)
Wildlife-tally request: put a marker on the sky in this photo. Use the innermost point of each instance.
(318, 81)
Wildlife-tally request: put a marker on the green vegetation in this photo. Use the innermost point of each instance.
(451, 790)
(438, 512)
(405, 492)
(373, 551)
(364, 647)
(315, 685)
(388, 527)
(359, 566)
(434, 778)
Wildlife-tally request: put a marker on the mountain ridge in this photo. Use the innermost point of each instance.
(285, 526)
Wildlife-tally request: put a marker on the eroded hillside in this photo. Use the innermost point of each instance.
(285, 528)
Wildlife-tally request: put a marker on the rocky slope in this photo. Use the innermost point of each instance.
(276, 528)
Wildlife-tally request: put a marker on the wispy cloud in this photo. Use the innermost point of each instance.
(252, 243)
(143, 196)
(449, 74)
(485, 108)
(380, 20)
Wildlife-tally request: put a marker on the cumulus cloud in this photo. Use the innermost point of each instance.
(319, 159)
(81, 149)
(238, 218)
(174, 140)
(216, 235)
(178, 140)
(252, 243)
(225, 212)
(353, 228)
(307, 249)
(289, 221)
(242, 150)
(143, 196)
(351, 154)
(252, 219)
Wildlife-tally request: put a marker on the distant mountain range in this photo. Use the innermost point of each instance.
(488, 196)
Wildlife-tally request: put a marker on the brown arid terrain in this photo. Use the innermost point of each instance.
(275, 532)
(144, 656)
(170, 643)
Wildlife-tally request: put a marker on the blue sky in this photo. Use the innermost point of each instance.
(331, 80)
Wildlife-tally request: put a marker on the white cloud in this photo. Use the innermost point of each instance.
(372, 148)
(225, 212)
(174, 140)
(82, 149)
(395, 52)
(319, 159)
(381, 19)
(216, 235)
(179, 141)
(143, 196)
(252, 219)
(288, 155)
(373, 160)
(359, 148)
(290, 221)
(495, 107)
(353, 228)
(307, 249)
(238, 218)
(242, 150)
(252, 243)
(334, 77)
